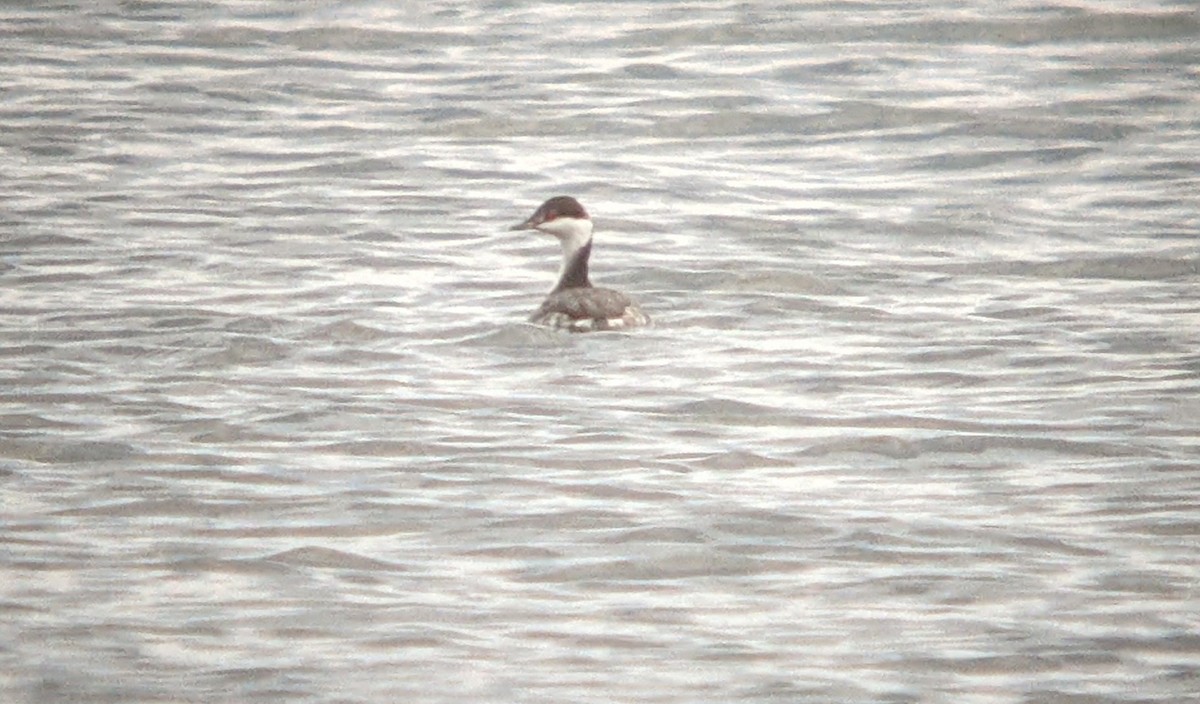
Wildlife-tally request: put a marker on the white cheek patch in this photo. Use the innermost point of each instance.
(573, 232)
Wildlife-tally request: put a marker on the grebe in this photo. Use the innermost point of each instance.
(574, 304)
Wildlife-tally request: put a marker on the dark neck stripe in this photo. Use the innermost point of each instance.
(576, 273)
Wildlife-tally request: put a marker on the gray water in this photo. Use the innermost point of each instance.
(916, 422)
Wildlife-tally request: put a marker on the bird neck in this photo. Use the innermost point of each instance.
(574, 272)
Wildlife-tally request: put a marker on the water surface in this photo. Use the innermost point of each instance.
(916, 421)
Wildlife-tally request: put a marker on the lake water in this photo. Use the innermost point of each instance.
(917, 420)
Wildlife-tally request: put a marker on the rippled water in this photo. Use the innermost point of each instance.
(917, 421)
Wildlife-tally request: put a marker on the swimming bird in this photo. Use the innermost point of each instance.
(574, 304)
